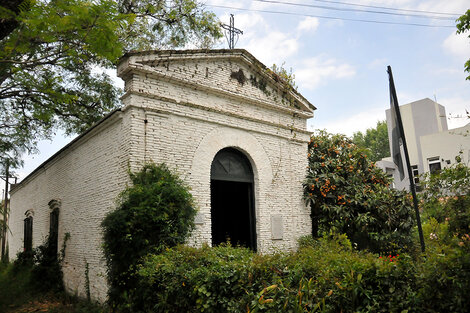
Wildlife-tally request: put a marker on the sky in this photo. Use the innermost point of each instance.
(340, 65)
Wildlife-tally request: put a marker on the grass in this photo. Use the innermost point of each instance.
(17, 294)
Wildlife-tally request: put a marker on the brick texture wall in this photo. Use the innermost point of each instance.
(180, 108)
(85, 178)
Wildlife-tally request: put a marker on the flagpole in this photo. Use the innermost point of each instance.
(393, 94)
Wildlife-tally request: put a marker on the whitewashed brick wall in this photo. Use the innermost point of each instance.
(180, 109)
(86, 178)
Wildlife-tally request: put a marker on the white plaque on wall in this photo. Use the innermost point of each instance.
(277, 227)
(199, 219)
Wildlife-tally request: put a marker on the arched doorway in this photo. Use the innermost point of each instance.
(232, 199)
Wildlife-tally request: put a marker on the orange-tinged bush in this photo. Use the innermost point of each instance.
(348, 194)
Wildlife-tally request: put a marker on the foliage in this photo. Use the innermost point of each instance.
(374, 141)
(446, 225)
(45, 264)
(349, 195)
(52, 54)
(446, 197)
(15, 287)
(18, 294)
(445, 271)
(323, 275)
(3, 229)
(463, 25)
(156, 212)
(279, 73)
(46, 273)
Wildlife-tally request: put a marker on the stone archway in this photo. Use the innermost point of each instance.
(200, 179)
(232, 199)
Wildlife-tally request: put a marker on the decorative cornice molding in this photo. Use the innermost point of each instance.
(205, 108)
(138, 60)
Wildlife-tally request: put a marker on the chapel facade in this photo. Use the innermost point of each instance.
(231, 128)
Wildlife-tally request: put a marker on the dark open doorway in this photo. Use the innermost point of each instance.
(232, 200)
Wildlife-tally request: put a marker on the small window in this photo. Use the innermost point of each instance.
(434, 165)
(54, 205)
(415, 172)
(54, 230)
(28, 234)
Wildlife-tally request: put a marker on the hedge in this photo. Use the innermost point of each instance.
(322, 276)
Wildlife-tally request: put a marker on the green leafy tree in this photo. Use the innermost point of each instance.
(349, 195)
(52, 53)
(446, 197)
(374, 141)
(463, 26)
(155, 213)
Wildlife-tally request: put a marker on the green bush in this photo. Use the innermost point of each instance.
(324, 275)
(156, 212)
(46, 274)
(15, 285)
(446, 198)
(44, 265)
(445, 270)
(349, 195)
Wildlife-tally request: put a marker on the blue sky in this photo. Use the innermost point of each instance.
(340, 65)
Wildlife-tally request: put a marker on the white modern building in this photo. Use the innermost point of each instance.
(431, 145)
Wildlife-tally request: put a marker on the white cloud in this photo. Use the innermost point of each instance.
(428, 5)
(451, 6)
(454, 6)
(317, 70)
(274, 47)
(267, 45)
(349, 125)
(259, 38)
(228, 3)
(378, 63)
(309, 24)
(456, 111)
(249, 23)
(458, 45)
(47, 148)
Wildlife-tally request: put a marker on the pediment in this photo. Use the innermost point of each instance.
(233, 72)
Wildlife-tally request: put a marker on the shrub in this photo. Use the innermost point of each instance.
(446, 198)
(46, 274)
(156, 212)
(348, 194)
(444, 278)
(15, 285)
(44, 265)
(323, 275)
(326, 275)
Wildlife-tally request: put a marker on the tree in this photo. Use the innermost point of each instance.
(52, 53)
(155, 213)
(463, 25)
(374, 141)
(348, 194)
(446, 197)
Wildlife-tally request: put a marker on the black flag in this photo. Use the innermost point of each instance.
(397, 136)
(398, 139)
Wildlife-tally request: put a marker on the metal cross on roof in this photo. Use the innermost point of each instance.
(230, 32)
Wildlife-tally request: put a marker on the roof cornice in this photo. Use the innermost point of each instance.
(134, 61)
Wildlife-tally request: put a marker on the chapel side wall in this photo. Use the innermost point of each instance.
(86, 178)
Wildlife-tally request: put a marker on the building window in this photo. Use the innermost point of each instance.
(415, 172)
(54, 205)
(434, 165)
(28, 234)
